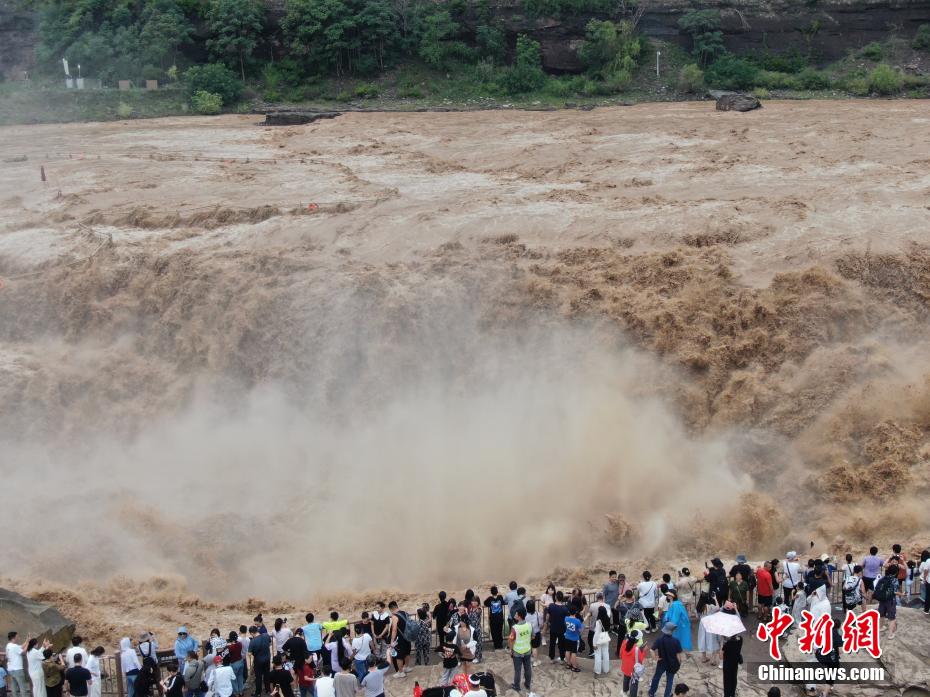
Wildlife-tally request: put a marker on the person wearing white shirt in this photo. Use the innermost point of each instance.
(923, 571)
(326, 685)
(648, 593)
(791, 576)
(93, 666)
(14, 666)
(361, 650)
(223, 679)
(75, 649)
(35, 655)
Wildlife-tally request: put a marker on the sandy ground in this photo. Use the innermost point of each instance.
(771, 267)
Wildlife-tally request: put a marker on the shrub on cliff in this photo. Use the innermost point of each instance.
(691, 79)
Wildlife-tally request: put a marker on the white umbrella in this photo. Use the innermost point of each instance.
(723, 624)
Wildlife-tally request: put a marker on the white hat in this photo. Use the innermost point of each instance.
(792, 555)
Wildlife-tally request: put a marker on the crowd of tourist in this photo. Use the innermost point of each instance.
(333, 657)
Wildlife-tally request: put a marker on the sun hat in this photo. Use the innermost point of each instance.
(669, 628)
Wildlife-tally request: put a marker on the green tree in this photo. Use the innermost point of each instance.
(439, 40)
(235, 28)
(526, 74)
(214, 78)
(346, 36)
(704, 28)
(165, 28)
(610, 50)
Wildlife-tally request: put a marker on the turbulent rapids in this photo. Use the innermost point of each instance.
(484, 344)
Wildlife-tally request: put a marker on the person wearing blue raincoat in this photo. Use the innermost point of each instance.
(677, 613)
(182, 645)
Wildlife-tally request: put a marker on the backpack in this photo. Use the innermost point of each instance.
(411, 629)
(851, 590)
(884, 589)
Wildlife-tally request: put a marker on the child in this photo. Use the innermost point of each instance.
(573, 627)
(909, 579)
(325, 685)
(450, 660)
(306, 679)
(174, 683)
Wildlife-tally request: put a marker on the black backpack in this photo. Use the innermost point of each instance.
(884, 589)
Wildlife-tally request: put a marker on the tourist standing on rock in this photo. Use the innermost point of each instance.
(687, 589)
(556, 612)
(717, 580)
(130, 665)
(441, 614)
(600, 641)
(260, 650)
(425, 637)
(465, 642)
(590, 617)
(510, 597)
(54, 669)
(223, 678)
(766, 591)
(183, 645)
(237, 659)
(667, 652)
(313, 635)
(194, 673)
(15, 665)
(173, 684)
(739, 593)
(35, 655)
(732, 650)
(853, 589)
(923, 571)
(791, 576)
(611, 591)
(886, 592)
(573, 629)
(96, 674)
(742, 566)
(474, 619)
(707, 643)
(148, 646)
(871, 569)
(76, 649)
(534, 619)
(495, 606)
(632, 660)
(381, 625)
(78, 678)
(647, 595)
(400, 647)
(521, 651)
(677, 614)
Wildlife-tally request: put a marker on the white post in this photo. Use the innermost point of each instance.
(658, 53)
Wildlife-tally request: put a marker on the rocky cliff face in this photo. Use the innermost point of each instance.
(826, 28)
(17, 39)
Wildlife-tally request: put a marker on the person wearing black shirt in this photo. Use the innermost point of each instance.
(557, 612)
(281, 679)
(78, 678)
(295, 649)
(717, 580)
(441, 617)
(732, 657)
(495, 605)
(260, 648)
(174, 683)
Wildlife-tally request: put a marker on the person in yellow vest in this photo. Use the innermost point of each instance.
(521, 650)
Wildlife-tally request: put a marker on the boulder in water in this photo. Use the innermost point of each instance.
(737, 102)
(297, 118)
(33, 619)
